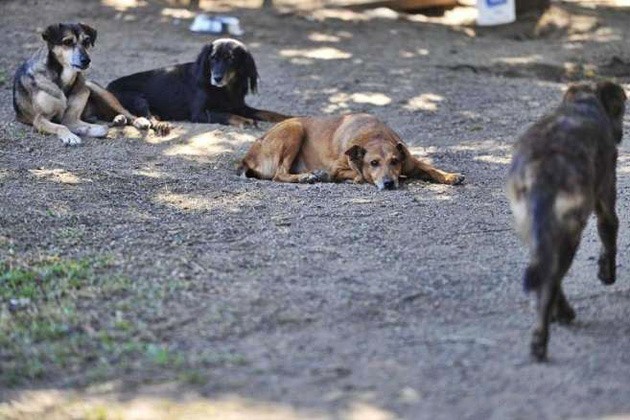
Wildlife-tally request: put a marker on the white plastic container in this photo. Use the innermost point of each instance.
(495, 12)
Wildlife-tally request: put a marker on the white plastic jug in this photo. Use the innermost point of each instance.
(495, 12)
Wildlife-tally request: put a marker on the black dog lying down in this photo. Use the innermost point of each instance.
(210, 90)
(563, 169)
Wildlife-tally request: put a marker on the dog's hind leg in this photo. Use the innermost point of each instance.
(106, 106)
(554, 235)
(551, 301)
(562, 312)
(273, 156)
(607, 227)
(262, 115)
(288, 142)
(225, 118)
(545, 295)
(415, 168)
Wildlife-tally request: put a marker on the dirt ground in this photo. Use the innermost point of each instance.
(155, 283)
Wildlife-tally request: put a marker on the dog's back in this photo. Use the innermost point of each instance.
(555, 174)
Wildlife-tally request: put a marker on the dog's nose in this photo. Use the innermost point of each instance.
(389, 185)
(217, 79)
(85, 61)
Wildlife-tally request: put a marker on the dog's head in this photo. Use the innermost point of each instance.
(379, 162)
(611, 96)
(226, 62)
(69, 43)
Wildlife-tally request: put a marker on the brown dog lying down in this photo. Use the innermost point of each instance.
(356, 147)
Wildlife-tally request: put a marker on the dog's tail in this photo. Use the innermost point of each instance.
(542, 231)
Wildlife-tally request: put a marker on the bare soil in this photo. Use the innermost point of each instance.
(155, 283)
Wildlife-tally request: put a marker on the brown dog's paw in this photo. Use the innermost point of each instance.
(455, 179)
(321, 175)
(315, 176)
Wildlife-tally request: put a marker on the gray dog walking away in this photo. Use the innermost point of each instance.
(562, 170)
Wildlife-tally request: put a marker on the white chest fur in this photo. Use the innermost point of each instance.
(68, 76)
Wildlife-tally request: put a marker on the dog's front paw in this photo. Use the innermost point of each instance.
(454, 179)
(141, 123)
(162, 128)
(607, 270)
(313, 177)
(119, 121)
(70, 139)
(321, 175)
(96, 130)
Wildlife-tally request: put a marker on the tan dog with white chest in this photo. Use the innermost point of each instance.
(51, 93)
(355, 147)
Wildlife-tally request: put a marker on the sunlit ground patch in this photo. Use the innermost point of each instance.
(320, 53)
(209, 144)
(424, 102)
(340, 101)
(200, 202)
(124, 5)
(59, 175)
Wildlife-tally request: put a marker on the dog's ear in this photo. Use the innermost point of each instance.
(249, 70)
(53, 33)
(91, 32)
(202, 65)
(356, 153)
(402, 150)
(613, 98)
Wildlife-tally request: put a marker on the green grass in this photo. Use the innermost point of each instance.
(52, 318)
(82, 321)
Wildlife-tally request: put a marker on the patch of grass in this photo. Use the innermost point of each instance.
(79, 321)
(3, 77)
(82, 321)
(211, 358)
(163, 356)
(46, 316)
(70, 235)
(193, 377)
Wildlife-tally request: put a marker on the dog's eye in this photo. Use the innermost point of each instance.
(87, 42)
(374, 163)
(69, 42)
(394, 161)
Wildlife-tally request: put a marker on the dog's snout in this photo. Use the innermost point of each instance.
(389, 185)
(85, 61)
